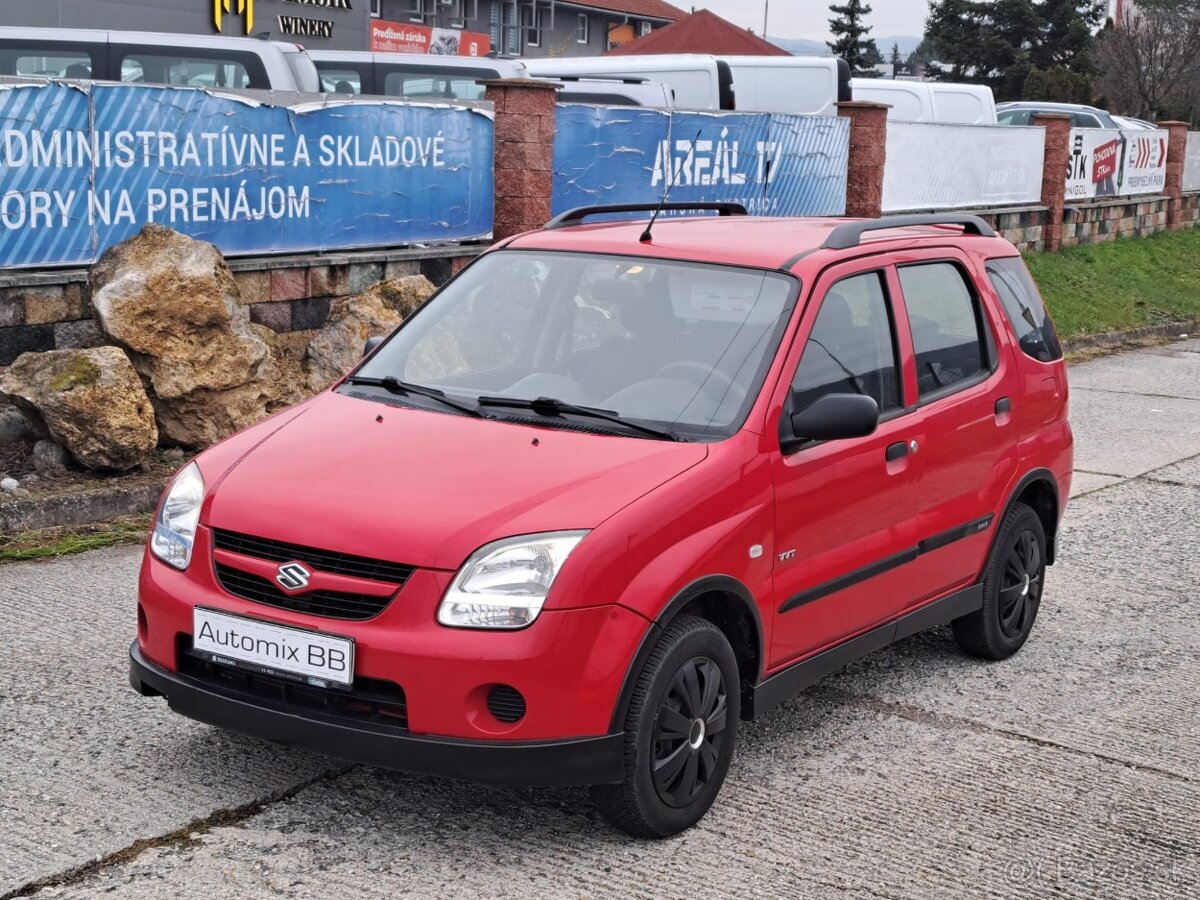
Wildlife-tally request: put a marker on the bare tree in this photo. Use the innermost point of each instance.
(1150, 65)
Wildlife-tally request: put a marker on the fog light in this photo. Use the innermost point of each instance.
(506, 703)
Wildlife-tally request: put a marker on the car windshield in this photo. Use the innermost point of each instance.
(682, 347)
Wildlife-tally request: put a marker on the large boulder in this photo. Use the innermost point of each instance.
(172, 303)
(339, 345)
(90, 401)
(404, 294)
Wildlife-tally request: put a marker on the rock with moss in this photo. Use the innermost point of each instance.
(172, 303)
(90, 401)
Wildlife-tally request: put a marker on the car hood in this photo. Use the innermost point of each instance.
(427, 488)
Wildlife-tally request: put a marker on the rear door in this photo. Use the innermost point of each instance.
(966, 392)
(844, 535)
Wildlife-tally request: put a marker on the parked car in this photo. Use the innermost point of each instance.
(419, 76)
(152, 58)
(615, 488)
(1130, 124)
(933, 101)
(696, 81)
(1021, 113)
(802, 85)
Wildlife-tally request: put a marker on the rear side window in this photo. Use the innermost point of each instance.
(44, 59)
(946, 329)
(425, 86)
(1025, 310)
(341, 81)
(194, 69)
(1013, 117)
(850, 349)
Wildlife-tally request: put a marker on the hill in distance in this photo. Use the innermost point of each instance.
(907, 44)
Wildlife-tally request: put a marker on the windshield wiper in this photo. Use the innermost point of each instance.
(549, 406)
(394, 385)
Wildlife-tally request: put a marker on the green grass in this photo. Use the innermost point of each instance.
(49, 543)
(1129, 283)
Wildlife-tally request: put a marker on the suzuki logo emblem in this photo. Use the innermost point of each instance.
(293, 576)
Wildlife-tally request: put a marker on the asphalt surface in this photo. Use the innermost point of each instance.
(1071, 770)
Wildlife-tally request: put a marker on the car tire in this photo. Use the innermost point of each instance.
(674, 765)
(1012, 589)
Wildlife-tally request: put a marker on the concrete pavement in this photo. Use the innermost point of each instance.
(1071, 770)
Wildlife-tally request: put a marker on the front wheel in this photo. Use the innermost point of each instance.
(1012, 589)
(679, 733)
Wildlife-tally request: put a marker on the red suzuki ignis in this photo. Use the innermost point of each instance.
(609, 492)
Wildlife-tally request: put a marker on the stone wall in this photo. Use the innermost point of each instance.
(51, 311)
(1107, 220)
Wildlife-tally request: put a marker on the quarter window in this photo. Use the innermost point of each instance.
(945, 323)
(1025, 310)
(851, 349)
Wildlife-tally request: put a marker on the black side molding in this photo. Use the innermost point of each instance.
(888, 563)
(768, 694)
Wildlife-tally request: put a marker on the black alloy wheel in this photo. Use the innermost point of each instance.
(680, 728)
(1020, 583)
(689, 731)
(1012, 588)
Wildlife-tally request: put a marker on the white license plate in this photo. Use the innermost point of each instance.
(309, 656)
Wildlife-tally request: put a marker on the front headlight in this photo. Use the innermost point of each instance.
(175, 528)
(505, 583)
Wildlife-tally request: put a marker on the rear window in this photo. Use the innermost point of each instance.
(1025, 310)
(422, 86)
(341, 81)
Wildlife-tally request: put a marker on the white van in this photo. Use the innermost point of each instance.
(153, 58)
(419, 76)
(929, 101)
(804, 85)
(696, 81)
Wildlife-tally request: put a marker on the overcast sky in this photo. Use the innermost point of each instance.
(810, 18)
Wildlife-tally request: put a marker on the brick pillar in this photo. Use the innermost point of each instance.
(1176, 156)
(1054, 173)
(524, 159)
(868, 152)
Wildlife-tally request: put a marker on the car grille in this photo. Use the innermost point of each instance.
(334, 604)
(325, 560)
(370, 700)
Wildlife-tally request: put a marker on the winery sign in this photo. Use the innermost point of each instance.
(300, 23)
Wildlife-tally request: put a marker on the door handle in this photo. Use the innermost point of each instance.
(1003, 405)
(896, 451)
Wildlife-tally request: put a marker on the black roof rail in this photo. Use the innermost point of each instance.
(850, 234)
(577, 215)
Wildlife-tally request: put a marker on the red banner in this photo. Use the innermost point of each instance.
(398, 37)
(1104, 162)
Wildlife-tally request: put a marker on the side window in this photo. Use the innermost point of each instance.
(46, 60)
(851, 349)
(1025, 310)
(432, 86)
(192, 71)
(946, 328)
(1085, 120)
(340, 81)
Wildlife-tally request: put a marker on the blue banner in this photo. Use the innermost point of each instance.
(774, 164)
(80, 172)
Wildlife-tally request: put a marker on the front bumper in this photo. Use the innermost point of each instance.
(578, 761)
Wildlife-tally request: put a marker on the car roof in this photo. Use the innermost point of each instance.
(756, 241)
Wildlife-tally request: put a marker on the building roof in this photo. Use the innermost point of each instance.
(701, 32)
(641, 9)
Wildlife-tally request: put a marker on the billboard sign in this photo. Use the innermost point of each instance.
(80, 171)
(773, 164)
(401, 37)
(1107, 163)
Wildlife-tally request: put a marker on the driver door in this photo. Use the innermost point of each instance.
(843, 508)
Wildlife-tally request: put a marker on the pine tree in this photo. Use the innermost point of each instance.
(850, 35)
(897, 60)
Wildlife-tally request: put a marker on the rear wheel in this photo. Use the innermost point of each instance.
(679, 733)
(1012, 589)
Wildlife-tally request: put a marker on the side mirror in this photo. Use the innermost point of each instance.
(835, 417)
(372, 343)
